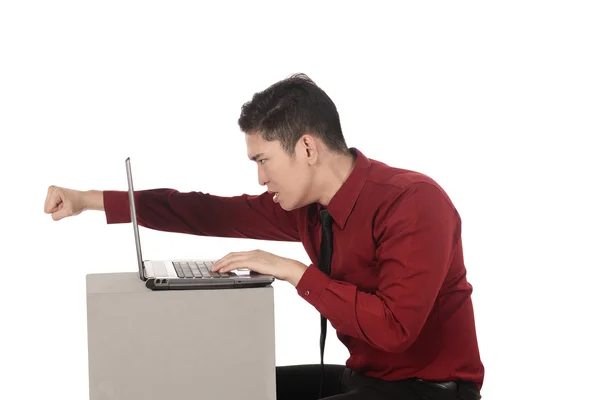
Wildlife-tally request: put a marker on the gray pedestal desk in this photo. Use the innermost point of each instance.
(178, 345)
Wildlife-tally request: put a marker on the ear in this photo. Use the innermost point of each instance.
(309, 147)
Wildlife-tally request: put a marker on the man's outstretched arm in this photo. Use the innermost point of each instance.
(197, 213)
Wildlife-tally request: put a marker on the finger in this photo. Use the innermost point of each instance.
(55, 208)
(222, 260)
(55, 200)
(228, 268)
(226, 261)
(236, 265)
(61, 213)
(229, 256)
(230, 262)
(52, 200)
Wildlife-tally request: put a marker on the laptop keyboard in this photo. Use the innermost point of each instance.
(198, 269)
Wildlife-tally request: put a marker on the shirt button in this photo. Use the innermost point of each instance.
(307, 293)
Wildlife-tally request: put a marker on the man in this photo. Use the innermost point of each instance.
(385, 247)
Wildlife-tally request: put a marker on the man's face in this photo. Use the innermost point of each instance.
(288, 179)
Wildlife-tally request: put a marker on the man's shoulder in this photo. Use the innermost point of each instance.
(385, 177)
(389, 183)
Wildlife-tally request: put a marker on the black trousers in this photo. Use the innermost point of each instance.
(301, 382)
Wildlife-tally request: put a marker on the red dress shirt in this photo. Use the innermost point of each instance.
(397, 294)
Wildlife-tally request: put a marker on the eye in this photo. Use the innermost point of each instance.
(262, 161)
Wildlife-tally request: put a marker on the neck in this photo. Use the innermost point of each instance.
(335, 170)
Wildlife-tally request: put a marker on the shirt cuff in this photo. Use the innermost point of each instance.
(116, 206)
(312, 284)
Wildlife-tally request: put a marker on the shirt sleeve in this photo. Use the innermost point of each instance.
(416, 238)
(197, 213)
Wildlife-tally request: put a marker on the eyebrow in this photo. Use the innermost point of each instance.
(256, 157)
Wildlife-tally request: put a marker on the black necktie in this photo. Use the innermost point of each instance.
(325, 266)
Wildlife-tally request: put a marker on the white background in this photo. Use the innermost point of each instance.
(497, 102)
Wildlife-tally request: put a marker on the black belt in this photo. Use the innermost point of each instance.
(446, 385)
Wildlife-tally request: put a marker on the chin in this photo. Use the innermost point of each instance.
(292, 202)
(290, 206)
(283, 206)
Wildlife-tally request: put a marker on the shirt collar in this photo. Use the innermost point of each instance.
(343, 201)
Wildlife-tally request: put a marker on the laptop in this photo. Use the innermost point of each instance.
(186, 274)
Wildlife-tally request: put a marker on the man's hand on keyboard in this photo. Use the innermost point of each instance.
(262, 262)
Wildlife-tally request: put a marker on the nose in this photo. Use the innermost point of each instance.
(262, 177)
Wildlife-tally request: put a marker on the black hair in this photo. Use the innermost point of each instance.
(291, 108)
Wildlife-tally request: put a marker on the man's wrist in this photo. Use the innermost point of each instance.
(93, 200)
(296, 271)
